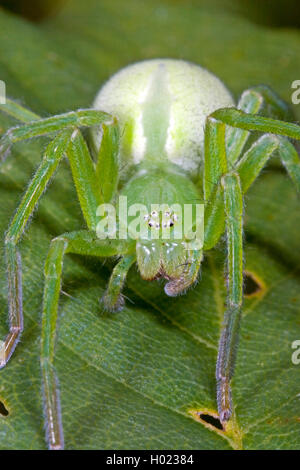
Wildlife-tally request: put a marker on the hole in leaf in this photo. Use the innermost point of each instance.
(212, 420)
(252, 284)
(3, 410)
(209, 418)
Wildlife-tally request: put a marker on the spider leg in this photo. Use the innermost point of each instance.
(236, 118)
(215, 165)
(229, 336)
(70, 142)
(254, 100)
(113, 299)
(273, 105)
(214, 219)
(83, 243)
(232, 186)
(53, 154)
(252, 162)
(86, 177)
(248, 169)
(87, 185)
(250, 102)
(287, 152)
(39, 127)
(107, 164)
(223, 201)
(215, 156)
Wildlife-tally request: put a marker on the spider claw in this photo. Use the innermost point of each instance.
(111, 304)
(224, 399)
(225, 415)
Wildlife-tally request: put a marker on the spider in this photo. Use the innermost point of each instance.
(163, 131)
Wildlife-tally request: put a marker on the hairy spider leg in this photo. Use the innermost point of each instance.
(107, 163)
(53, 154)
(233, 204)
(251, 101)
(274, 130)
(235, 138)
(90, 193)
(87, 182)
(237, 118)
(245, 171)
(83, 243)
(39, 127)
(253, 161)
(113, 299)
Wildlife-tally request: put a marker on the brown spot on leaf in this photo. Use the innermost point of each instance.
(3, 410)
(209, 418)
(253, 285)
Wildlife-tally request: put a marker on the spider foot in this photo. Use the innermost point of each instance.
(112, 304)
(224, 400)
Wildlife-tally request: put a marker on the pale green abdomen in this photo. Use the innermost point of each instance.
(161, 106)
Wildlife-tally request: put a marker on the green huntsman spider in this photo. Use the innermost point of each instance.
(163, 131)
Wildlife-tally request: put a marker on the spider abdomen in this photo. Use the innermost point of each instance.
(161, 106)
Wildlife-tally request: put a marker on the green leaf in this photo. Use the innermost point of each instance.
(137, 379)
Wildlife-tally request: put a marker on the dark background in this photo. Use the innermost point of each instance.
(274, 13)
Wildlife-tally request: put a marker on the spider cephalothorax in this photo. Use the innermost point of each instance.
(162, 242)
(165, 137)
